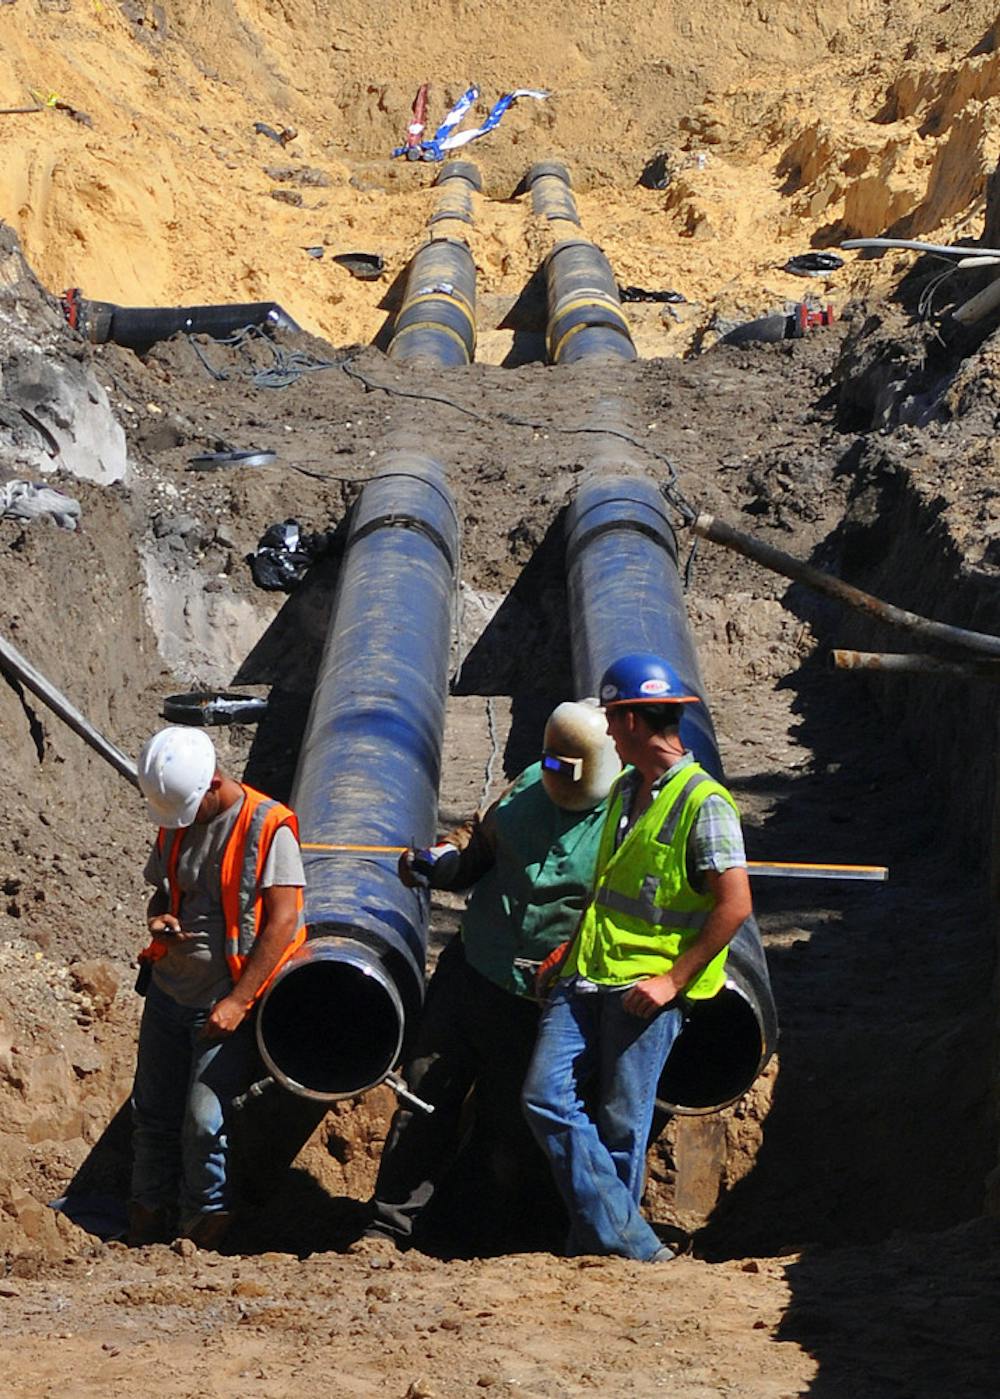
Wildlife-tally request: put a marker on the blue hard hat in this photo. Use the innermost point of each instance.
(643, 678)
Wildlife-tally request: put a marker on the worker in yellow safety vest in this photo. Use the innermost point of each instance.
(671, 891)
(225, 914)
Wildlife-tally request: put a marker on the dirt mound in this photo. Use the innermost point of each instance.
(775, 129)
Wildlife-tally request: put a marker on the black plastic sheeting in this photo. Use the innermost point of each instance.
(138, 328)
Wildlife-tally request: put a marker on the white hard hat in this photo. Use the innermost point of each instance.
(176, 767)
(579, 762)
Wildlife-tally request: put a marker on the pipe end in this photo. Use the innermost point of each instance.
(548, 167)
(461, 170)
(331, 1024)
(724, 1045)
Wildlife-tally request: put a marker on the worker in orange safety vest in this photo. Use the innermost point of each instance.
(225, 914)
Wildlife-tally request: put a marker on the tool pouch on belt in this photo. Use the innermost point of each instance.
(548, 973)
(147, 957)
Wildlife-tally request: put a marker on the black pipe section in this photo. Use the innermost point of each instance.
(436, 323)
(139, 328)
(552, 192)
(585, 319)
(334, 1021)
(624, 594)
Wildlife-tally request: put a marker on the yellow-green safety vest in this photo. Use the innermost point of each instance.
(644, 911)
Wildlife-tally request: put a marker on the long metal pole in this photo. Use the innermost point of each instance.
(12, 661)
(708, 527)
(887, 663)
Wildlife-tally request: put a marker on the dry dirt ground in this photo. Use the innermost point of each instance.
(852, 1251)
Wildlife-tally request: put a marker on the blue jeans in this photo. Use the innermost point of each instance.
(592, 1052)
(183, 1088)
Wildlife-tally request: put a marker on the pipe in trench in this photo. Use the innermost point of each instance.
(910, 663)
(139, 328)
(334, 1021)
(585, 318)
(931, 632)
(624, 594)
(437, 320)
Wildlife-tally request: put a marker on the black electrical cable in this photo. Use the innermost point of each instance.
(670, 489)
(287, 368)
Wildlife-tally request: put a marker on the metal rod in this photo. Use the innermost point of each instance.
(917, 246)
(625, 594)
(12, 661)
(708, 527)
(400, 1089)
(334, 1021)
(792, 869)
(914, 664)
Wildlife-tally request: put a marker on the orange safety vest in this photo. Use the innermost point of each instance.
(243, 859)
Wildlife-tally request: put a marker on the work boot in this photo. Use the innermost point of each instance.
(149, 1224)
(208, 1230)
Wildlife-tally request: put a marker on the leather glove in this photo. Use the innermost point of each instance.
(430, 868)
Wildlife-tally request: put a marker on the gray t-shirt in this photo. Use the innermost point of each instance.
(195, 972)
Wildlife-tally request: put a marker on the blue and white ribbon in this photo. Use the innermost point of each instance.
(446, 138)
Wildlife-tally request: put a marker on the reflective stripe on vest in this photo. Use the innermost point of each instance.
(645, 912)
(669, 828)
(645, 909)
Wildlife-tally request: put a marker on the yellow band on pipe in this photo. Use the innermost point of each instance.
(589, 298)
(458, 301)
(574, 330)
(437, 327)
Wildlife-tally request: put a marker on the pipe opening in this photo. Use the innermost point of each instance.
(717, 1055)
(330, 1027)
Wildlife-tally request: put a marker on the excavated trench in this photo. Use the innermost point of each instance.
(877, 1116)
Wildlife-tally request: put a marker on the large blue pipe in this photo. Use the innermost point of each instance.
(585, 318)
(624, 594)
(334, 1021)
(436, 322)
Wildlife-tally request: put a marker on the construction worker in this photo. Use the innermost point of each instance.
(671, 890)
(225, 913)
(530, 859)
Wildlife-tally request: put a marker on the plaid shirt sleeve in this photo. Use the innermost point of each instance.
(716, 839)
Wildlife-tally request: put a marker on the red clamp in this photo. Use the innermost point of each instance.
(809, 317)
(71, 303)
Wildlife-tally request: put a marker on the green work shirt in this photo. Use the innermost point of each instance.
(532, 898)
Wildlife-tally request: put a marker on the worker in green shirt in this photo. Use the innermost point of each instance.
(529, 860)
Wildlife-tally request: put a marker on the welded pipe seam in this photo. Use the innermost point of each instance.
(465, 170)
(451, 215)
(606, 338)
(432, 342)
(392, 521)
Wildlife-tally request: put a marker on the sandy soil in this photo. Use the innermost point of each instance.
(848, 1252)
